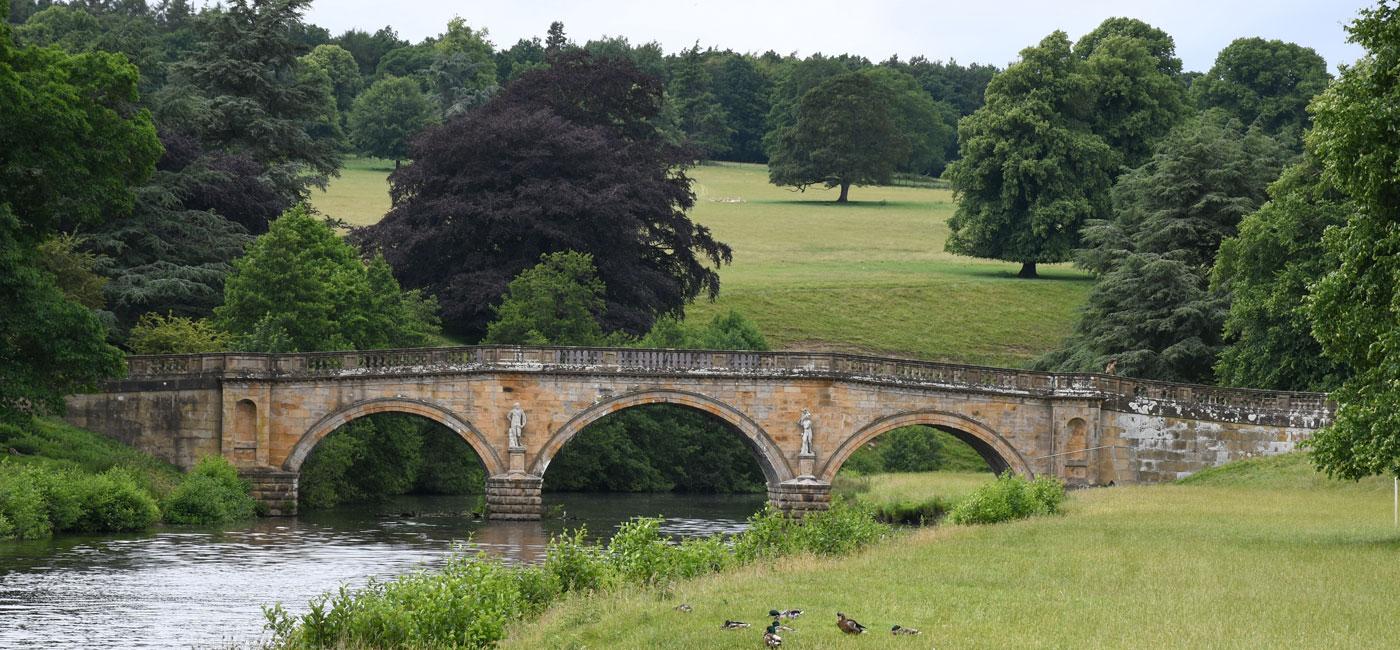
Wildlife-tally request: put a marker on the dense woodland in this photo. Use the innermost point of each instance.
(157, 159)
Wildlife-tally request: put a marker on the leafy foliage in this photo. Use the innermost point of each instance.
(300, 288)
(702, 117)
(566, 158)
(856, 128)
(230, 103)
(1010, 497)
(171, 334)
(558, 301)
(39, 501)
(1031, 172)
(384, 455)
(211, 493)
(1269, 269)
(1152, 309)
(1265, 83)
(388, 115)
(471, 601)
(1354, 308)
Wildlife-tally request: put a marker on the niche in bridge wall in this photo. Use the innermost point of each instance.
(1077, 458)
(245, 432)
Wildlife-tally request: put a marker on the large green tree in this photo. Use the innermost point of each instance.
(1137, 94)
(74, 143)
(1152, 308)
(702, 118)
(558, 301)
(387, 116)
(1265, 83)
(1269, 269)
(856, 128)
(244, 92)
(1356, 307)
(1031, 171)
(567, 157)
(300, 288)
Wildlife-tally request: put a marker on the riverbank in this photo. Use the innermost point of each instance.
(1298, 561)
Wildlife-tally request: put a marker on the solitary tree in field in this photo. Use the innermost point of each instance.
(567, 157)
(848, 132)
(387, 116)
(1031, 171)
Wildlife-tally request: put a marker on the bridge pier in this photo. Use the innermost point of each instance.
(514, 496)
(800, 496)
(275, 490)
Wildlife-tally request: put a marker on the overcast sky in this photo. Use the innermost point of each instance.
(982, 31)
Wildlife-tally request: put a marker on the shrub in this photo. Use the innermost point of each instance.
(171, 334)
(22, 502)
(39, 501)
(913, 513)
(839, 530)
(212, 493)
(113, 502)
(575, 564)
(472, 600)
(1010, 497)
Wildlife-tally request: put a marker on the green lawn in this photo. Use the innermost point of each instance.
(1235, 560)
(870, 276)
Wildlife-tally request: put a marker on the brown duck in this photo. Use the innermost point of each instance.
(848, 625)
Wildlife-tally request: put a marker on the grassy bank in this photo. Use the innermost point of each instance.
(1217, 562)
(55, 478)
(870, 276)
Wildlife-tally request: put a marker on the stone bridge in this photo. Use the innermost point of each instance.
(267, 412)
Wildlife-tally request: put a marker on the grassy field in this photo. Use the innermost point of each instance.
(870, 276)
(1232, 559)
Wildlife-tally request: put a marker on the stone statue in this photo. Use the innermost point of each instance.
(517, 423)
(806, 423)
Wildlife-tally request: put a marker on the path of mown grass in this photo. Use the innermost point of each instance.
(1217, 563)
(870, 276)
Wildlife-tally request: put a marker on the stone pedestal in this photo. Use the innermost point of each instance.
(800, 496)
(275, 490)
(514, 496)
(517, 460)
(804, 465)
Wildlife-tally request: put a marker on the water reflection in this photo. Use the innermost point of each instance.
(199, 588)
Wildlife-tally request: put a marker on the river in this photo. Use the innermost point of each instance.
(192, 587)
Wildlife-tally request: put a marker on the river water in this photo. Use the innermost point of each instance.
(182, 587)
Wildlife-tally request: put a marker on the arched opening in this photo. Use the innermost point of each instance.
(245, 432)
(666, 453)
(379, 451)
(913, 457)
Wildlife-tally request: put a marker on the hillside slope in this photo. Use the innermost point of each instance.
(870, 276)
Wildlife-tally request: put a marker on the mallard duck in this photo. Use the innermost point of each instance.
(684, 608)
(787, 614)
(848, 625)
(777, 623)
(734, 625)
(770, 636)
(899, 629)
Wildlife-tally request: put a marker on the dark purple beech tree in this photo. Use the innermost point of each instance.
(567, 157)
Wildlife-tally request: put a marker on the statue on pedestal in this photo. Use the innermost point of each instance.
(806, 423)
(517, 423)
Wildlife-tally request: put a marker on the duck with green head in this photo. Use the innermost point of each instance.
(770, 636)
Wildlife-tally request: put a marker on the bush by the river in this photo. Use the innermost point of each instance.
(212, 493)
(1010, 497)
(37, 501)
(474, 598)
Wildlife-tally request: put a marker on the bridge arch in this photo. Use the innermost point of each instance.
(770, 457)
(998, 453)
(323, 427)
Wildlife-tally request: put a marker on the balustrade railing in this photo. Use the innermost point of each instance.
(848, 366)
